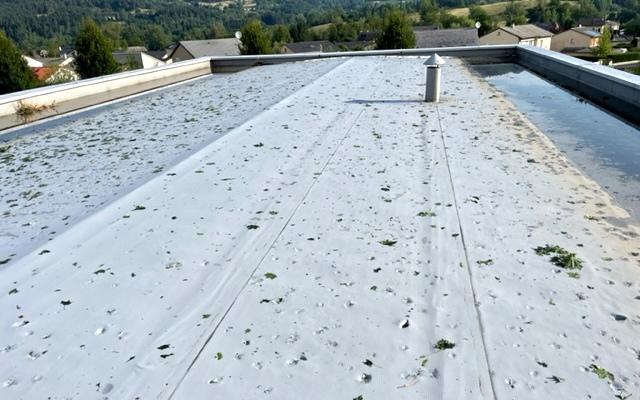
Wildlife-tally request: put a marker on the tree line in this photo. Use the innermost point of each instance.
(35, 24)
(95, 42)
(94, 58)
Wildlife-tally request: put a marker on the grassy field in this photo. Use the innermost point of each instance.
(320, 28)
(491, 9)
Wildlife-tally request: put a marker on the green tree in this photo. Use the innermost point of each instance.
(604, 45)
(217, 30)
(52, 46)
(341, 31)
(255, 39)
(451, 21)
(95, 56)
(396, 32)
(113, 32)
(299, 28)
(280, 34)
(155, 38)
(633, 26)
(478, 14)
(585, 9)
(514, 14)
(15, 74)
(133, 36)
(429, 12)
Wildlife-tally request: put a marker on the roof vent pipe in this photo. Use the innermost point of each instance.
(432, 91)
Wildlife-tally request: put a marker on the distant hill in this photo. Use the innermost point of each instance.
(35, 24)
(30, 22)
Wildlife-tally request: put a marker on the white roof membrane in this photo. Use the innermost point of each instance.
(351, 241)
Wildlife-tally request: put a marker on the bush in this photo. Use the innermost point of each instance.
(95, 56)
(15, 74)
(255, 39)
(396, 32)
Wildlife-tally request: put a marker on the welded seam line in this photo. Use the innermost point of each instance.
(215, 329)
(466, 256)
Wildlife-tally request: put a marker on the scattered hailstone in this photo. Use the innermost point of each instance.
(106, 388)
(364, 378)
(173, 264)
(217, 379)
(257, 365)
(100, 330)
(10, 382)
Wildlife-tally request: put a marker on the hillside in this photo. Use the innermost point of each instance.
(36, 24)
(30, 22)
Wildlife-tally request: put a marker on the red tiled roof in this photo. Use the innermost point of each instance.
(42, 73)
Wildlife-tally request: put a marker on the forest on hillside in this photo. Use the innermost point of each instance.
(37, 24)
(48, 24)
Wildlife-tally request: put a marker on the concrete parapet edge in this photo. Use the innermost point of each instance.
(500, 53)
(614, 90)
(63, 98)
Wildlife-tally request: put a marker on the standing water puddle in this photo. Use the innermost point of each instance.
(604, 147)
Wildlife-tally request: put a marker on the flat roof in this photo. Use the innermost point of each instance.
(346, 240)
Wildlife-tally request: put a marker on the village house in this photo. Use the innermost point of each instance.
(575, 39)
(53, 70)
(32, 62)
(519, 34)
(599, 24)
(136, 59)
(190, 49)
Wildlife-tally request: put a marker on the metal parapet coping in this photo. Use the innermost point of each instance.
(616, 91)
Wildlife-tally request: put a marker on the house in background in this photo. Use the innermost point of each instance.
(426, 37)
(136, 60)
(599, 24)
(53, 69)
(32, 62)
(519, 34)
(318, 46)
(552, 27)
(575, 39)
(190, 49)
(56, 74)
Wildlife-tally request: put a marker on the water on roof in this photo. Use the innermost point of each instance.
(605, 147)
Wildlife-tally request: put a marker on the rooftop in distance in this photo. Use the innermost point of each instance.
(339, 239)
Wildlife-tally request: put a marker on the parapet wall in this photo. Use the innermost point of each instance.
(614, 90)
(484, 54)
(44, 102)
